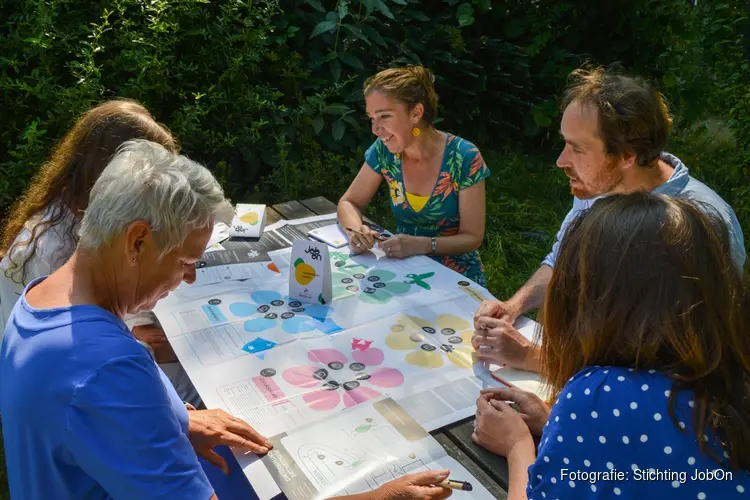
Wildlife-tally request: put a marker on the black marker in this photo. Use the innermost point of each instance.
(456, 485)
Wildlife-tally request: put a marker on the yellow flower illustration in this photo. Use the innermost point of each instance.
(397, 192)
(451, 333)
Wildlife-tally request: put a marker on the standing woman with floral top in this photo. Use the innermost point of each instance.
(436, 179)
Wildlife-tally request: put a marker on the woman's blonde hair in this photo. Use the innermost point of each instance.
(411, 85)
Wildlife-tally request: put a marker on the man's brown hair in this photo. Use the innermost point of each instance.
(633, 117)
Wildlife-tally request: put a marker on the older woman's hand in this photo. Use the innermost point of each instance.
(499, 428)
(209, 428)
(532, 409)
(157, 340)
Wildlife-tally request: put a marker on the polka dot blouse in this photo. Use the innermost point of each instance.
(610, 435)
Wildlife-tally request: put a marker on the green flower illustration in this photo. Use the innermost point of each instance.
(375, 287)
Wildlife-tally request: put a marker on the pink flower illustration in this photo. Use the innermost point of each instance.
(334, 377)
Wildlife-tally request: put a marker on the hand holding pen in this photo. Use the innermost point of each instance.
(363, 239)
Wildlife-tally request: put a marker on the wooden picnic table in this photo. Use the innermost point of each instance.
(489, 469)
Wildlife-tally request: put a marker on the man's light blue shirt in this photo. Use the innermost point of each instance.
(679, 185)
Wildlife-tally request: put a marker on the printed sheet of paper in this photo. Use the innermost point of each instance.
(396, 328)
(356, 451)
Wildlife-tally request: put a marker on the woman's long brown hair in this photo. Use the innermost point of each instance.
(647, 282)
(65, 180)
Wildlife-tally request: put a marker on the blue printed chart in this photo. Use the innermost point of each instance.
(234, 321)
(397, 328)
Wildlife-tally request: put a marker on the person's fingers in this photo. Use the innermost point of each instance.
(498, 405)
(216, 459)
(444, 493)
(483, 405)
(230, 439)
(430, 477)
(503, 394)
(475, 341)
(489, 323)
(368, 239)
(241, 428)
(486, 308)
(475, 438)
(434, 492)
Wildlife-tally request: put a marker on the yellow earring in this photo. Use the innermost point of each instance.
(415, 131)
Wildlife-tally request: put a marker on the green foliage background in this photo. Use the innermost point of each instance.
(272, 89)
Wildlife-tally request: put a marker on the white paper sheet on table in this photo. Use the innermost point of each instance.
(400, 328)
(359, 450)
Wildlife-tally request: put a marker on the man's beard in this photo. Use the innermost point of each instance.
(605, 183)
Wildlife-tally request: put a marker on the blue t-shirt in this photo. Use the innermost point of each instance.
(86, 412)
(679, 185)
(616, 421)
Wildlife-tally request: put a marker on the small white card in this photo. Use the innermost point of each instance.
(331, 235)
(310, 272)
(249, 221)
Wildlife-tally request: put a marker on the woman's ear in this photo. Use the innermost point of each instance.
(135, 237)
(417, 112)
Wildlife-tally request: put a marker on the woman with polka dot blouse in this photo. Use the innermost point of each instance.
(645, 349)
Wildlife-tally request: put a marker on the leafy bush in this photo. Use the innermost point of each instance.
(273, 88)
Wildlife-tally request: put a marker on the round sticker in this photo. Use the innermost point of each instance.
(446, 347)
(356, 367)
(463, 283)
(346, 281)
(416, 337)
(353, 288)
(352, 384)
(263, 309)
(271, 316)
(287, 315)
(379, 285)
(455, 340)
(369, 290)
(362, 376)
(331, 385)
(340, 263)
(428, 329)
(321, 374)
(295, 303)
(373, 279)
(335, 365)
(448, 332)
(298, 309)
(214, 302)
(277, 303)
(428, 347)
(268, 372)
(359, 276)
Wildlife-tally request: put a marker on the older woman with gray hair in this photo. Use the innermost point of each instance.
(86, 412)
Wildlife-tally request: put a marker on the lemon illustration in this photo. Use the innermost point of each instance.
(304, 273)
(249, 218)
